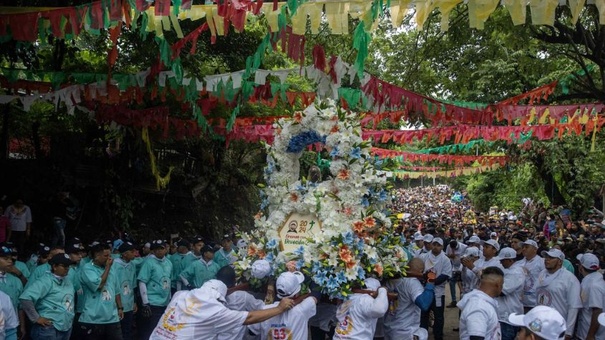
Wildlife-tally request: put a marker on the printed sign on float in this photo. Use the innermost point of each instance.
(296, 230)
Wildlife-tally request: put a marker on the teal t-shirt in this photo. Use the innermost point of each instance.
(156, 273)
(23, 268)
(38, 272)
(100, 305)
(11, 286)
(179, 263)
(199, 272)
(53, 299)
(126, 278)
(74, 276)
(223, 258)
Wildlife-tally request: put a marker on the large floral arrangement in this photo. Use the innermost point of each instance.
(356, 238)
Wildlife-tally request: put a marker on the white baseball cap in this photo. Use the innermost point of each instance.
(371, 283)
(438, 240)
(471, 251)
(260, 269)
(493, 233)
(288, 284)
(492, 243)
(589, 261)
(543, 321)
(216, 286)
(602, 319)
(241, 243)
(507, 254)
(530, 243)
(418, 237)
(428, 238)
(474, 239)
(553, 253)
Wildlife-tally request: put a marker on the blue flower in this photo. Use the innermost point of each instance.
(382, 196)
(361, 274)
(316, 267)
(334, 152)
(272, 244)
(356, 153)
(320, 278)
(270, 257)
(299, 251)
(347, 238)
(340, 277)
(264, 204)
(360, 243)
(365, 202)
(332, 283)
(299, 264)
(299, 142)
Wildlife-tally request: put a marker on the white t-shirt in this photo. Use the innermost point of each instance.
(197, 314)
(290, 325)
(561, 291)
(10, 319)
(483, 263)
(532, 269)
(440, 265)
(456, 263)
(469, 280)
(593, 296)
(357, 316)
(479, 316)
(403, 316)
(19, 218)
(241, 301)
(510, 302)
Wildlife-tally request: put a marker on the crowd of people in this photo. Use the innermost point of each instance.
(533, 274)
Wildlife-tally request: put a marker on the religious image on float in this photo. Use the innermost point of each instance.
(337, 230)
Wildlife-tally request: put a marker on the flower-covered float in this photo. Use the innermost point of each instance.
(337, 230)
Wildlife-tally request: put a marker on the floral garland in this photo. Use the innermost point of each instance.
(356, 239)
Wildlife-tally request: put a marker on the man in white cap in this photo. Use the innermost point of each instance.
(469, 279)
(403, 316)
(510, 300)
(293, 324)
(454, 251)
(560, 289)
(490, 250)
(532, 264)
(475, 241)
(428, 245)
(436, 262)
(541, 323)
(357, 316)
(201, 314)
(593, 298)
(418, 244)
(479, 317)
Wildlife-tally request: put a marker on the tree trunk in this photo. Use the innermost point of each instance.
(4, 137)
(36, 140)
(550, 186)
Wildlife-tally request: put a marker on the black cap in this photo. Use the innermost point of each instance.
(182, 243)
(126, 246)
(72, 248)
(157, 244)
(61, 259)
(197, 239)
(43, 250)
(207, 248)
(5, 250)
